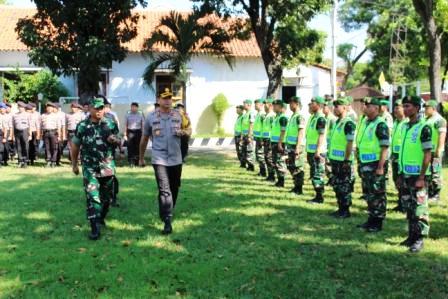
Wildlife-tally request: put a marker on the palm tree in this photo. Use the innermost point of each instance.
(185, 36)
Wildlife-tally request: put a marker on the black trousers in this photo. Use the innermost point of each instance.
(21, 137)
(168, 181)
(51, 145)
(33, 147)
(184, 145)
(11, 149)
(2, 149)
(60, 150)
(134, 137)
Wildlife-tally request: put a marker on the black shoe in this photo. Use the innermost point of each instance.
(335, 214)
(297, 190)
(95, 230)
(167, 228)
(115, 203)
(315, 201)
(270, 178)
(250, 168)
(375, 226)
(280, 183)
(417, 246)
(262, 172)
(398, 209)
(408, 242)
(102, 222)
(242, 165)
(344, 213)
(366, 224)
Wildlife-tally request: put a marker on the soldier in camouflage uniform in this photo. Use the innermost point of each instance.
(331, 121)
(294, 147)
(438, 127)
(278, 137)
(316, 147)
(266, 132)
(247, 139)
(340, 153)
(237, 134)
(373, 154)
(96, 138)
(400, 120)
(360, 126)
(414, 159)
(258, 132)
(385, 114)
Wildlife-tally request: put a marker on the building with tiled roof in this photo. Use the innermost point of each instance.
(208, 75)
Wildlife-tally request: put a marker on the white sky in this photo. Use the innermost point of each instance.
(320, 22)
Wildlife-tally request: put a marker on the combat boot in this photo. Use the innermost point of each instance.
(417, 245)
(95, 230)
(167, 228)
(318, 199)
(344, 212)
(376, 226)
(250, 167)
(262, 172)
(271, 177)
(280, 182)
(298, 183)
(366, 224)
(242, 165)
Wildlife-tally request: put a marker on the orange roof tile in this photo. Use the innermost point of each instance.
(148, 21)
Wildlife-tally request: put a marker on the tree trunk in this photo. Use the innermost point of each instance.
(274, 71)
(435, 54)
(88, 84)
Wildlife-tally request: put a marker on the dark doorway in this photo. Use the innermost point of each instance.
(288, 92)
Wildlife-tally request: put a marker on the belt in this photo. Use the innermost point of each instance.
(71, 131)
(18, 130)
(50, 130)
(134, 130)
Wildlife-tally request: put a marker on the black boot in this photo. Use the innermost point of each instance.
(319, 199)
(167, 228)
(344, 212)
(250, 167)
(242, 165)
(271, 177)
(280, 183)
(376, 226)
(95, 229)
(336, 213)
(262, 172)
(410, 239)
(366, 224)
(417, 245)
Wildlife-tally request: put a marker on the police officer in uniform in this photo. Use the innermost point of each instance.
(340, 153)
(62, 137)
(258, 136)
(35, 122)
(186, 125)
(10, 144)
(373, 155)
(414, 159)
(133, 133)
(72, 119)
(316, 147)
(438, 128)
(399, 121)
(294, 148)
(3, 133)
(22, 134)
(266, 133)
(50, 126)
(164, 127)
(248, 129)
(278, 137)
(96, 137)
(238, 131)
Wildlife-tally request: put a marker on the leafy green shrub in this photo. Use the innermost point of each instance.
(219, 106)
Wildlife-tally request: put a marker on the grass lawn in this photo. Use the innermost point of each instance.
(234, 236)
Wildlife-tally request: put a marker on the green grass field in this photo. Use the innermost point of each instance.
(235, 236)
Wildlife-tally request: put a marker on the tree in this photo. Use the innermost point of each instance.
(79, 37)
(186, 36)
(280, 29)
(344, 51)
(219, 105)
(426, 9)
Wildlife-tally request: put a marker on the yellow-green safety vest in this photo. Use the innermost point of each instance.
(258, 124)
(267, 125)
(246, 122)
(397, 138)
(238, 128)
(312, 134)
(431, 122)
(338, 141)
(369, 145)
(411, 154)
(292, 130)
(277, 129)
(360, 128)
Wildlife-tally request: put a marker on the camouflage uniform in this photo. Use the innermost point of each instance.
(267, 149)
(317, 166)
(331, 121)
(278, 157)
(374, 186)
(435, 181)
(98, 164)
(295, 160)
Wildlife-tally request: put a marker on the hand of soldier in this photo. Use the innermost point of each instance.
(29, 138)
(4, 140)
(280, 147)
(317, 156)
(141, 163)
(379, 171)
(125, 138)
(420, 183)
(113, 140)
(438, 154)
(75, 169)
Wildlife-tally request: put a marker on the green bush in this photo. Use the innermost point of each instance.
(28, 86)
(219, 106)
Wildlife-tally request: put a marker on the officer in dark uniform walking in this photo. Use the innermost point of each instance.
(164, 127)
(133, 133)
(50, 126)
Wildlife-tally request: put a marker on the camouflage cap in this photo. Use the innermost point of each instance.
(247, 101)
(279, 102)
(384, 102)
(318, 100)
(349, 99)
(372, 101)
(431, 103)
(341, 101)
(97, 103)
(399, 102)
(269, 101)
(414, 100)
(259, 101)
(239, 107)
(295, 99)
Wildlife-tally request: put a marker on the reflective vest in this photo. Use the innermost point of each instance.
(397, 138)
(431, 122)
(277, 129)
(258, 125)
(411, 154)
(292, 130)
(246, 122)
(338, 140)
(312, 135)
(267, 125)
(369, 145)
(361, 127)
(238, 128)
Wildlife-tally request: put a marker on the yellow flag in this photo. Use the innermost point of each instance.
(382, 80)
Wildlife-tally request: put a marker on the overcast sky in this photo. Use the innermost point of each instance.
(321, 22)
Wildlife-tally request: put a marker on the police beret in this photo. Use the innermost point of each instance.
(32, 105)
(295, 99)
(259, 101)
(318, 100)
(51, 104)
(76, 105)
(21, 104)
(247, 102)
(28, 107)
(414, 100)
(431, 103)
(372, 101)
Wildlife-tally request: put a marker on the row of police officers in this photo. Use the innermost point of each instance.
(333, 143)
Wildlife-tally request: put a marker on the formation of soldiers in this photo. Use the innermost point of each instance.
(334, 140)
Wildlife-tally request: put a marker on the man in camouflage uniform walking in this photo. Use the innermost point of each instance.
(266, 132)
(96, 137)
(294, 147)
(258, 132)
(438, 127)
(340, 153)
(414, 158)
(373, 154)
(316, 147)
